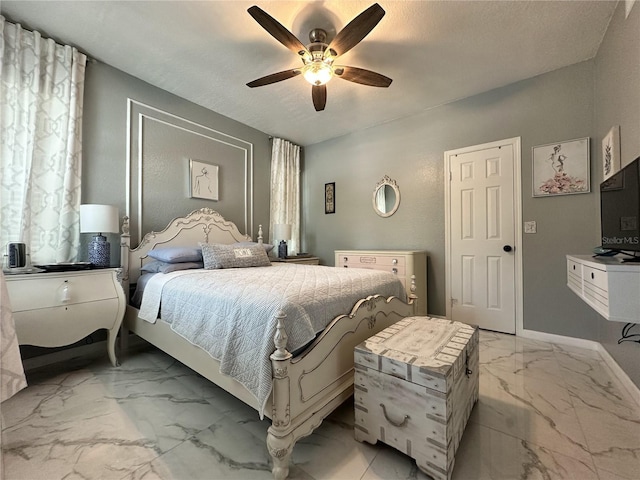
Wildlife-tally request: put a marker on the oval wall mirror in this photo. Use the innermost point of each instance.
(386, 197)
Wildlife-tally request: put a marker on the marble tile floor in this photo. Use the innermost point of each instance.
(545, 411)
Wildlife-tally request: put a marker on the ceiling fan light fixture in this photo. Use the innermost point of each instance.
(318, 57)
(317, 72)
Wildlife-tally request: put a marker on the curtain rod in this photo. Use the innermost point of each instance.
(46, 36)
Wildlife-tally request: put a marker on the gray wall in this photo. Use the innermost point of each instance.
(104, 159)
(557, 106)
(553, 107)
(618, 103)
(105, 147)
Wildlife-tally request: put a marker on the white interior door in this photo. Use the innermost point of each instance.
(482, 236)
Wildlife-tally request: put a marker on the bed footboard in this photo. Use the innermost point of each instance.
(310, 386)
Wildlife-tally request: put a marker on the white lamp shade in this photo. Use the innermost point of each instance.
(282, 231)
(99, 219)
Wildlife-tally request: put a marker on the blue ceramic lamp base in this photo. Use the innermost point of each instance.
(100, 251)
(282, 249)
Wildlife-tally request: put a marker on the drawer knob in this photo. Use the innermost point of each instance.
(346, 259)
(394, 261)
(394, 271)
(592, 276)
(393, 422)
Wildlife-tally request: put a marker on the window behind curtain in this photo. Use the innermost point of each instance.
(42, 88)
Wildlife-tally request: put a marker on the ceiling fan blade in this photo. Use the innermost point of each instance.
(278, 31)
(319, 95)
(362, 76)
(356, 30)
(275, 77)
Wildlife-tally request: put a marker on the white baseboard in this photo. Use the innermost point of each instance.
(617, 370)
(553, 338)
(631, 387)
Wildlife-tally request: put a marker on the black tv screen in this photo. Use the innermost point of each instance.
(620, 209)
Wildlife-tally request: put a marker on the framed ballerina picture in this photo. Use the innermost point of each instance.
(611, 152)
(561, 168)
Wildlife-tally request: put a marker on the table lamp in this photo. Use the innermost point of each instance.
(99, 219)
(282, 232)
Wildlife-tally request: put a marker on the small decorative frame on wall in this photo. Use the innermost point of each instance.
(203, 180)
(611, 152)
(330, 197)
(561, 168)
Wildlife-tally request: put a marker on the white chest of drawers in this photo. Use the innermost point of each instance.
(608, 286)
(403, 263)
(57, 309)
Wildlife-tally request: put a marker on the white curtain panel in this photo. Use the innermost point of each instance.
(12, 378)
(41, 128)
(285, 190)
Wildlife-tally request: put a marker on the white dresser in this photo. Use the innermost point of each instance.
(403, 263)
(57, 309)
(608, 286)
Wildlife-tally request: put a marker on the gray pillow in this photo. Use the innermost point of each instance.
(233, 256)
(176, 254)
(158, 266)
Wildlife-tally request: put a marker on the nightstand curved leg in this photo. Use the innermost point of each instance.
(111, 347)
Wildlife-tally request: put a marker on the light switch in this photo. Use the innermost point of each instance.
(530, 227)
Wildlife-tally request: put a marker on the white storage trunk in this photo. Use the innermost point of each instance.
(416, 383)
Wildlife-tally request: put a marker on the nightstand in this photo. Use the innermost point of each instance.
(57, 309)
(302, 260)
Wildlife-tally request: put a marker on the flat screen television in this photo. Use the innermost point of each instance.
(620, 211)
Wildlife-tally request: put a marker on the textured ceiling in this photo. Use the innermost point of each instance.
(435, 52)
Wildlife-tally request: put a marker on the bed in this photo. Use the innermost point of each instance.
(302, 388)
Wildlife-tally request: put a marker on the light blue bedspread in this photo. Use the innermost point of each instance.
(231, 313)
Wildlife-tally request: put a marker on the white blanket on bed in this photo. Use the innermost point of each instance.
(231, 313)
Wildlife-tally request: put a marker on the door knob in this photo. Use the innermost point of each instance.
(507, 248)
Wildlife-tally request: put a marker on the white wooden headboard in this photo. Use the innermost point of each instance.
(204, 225)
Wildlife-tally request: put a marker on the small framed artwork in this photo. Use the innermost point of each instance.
(203, 180)
(561, 168)
(611, 152)
(330, 197)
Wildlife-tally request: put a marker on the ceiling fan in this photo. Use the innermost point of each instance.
(318, 57)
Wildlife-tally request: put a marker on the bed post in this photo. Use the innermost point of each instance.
(260, 234)
(125, 248)
(413, 298)
(279, 441)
